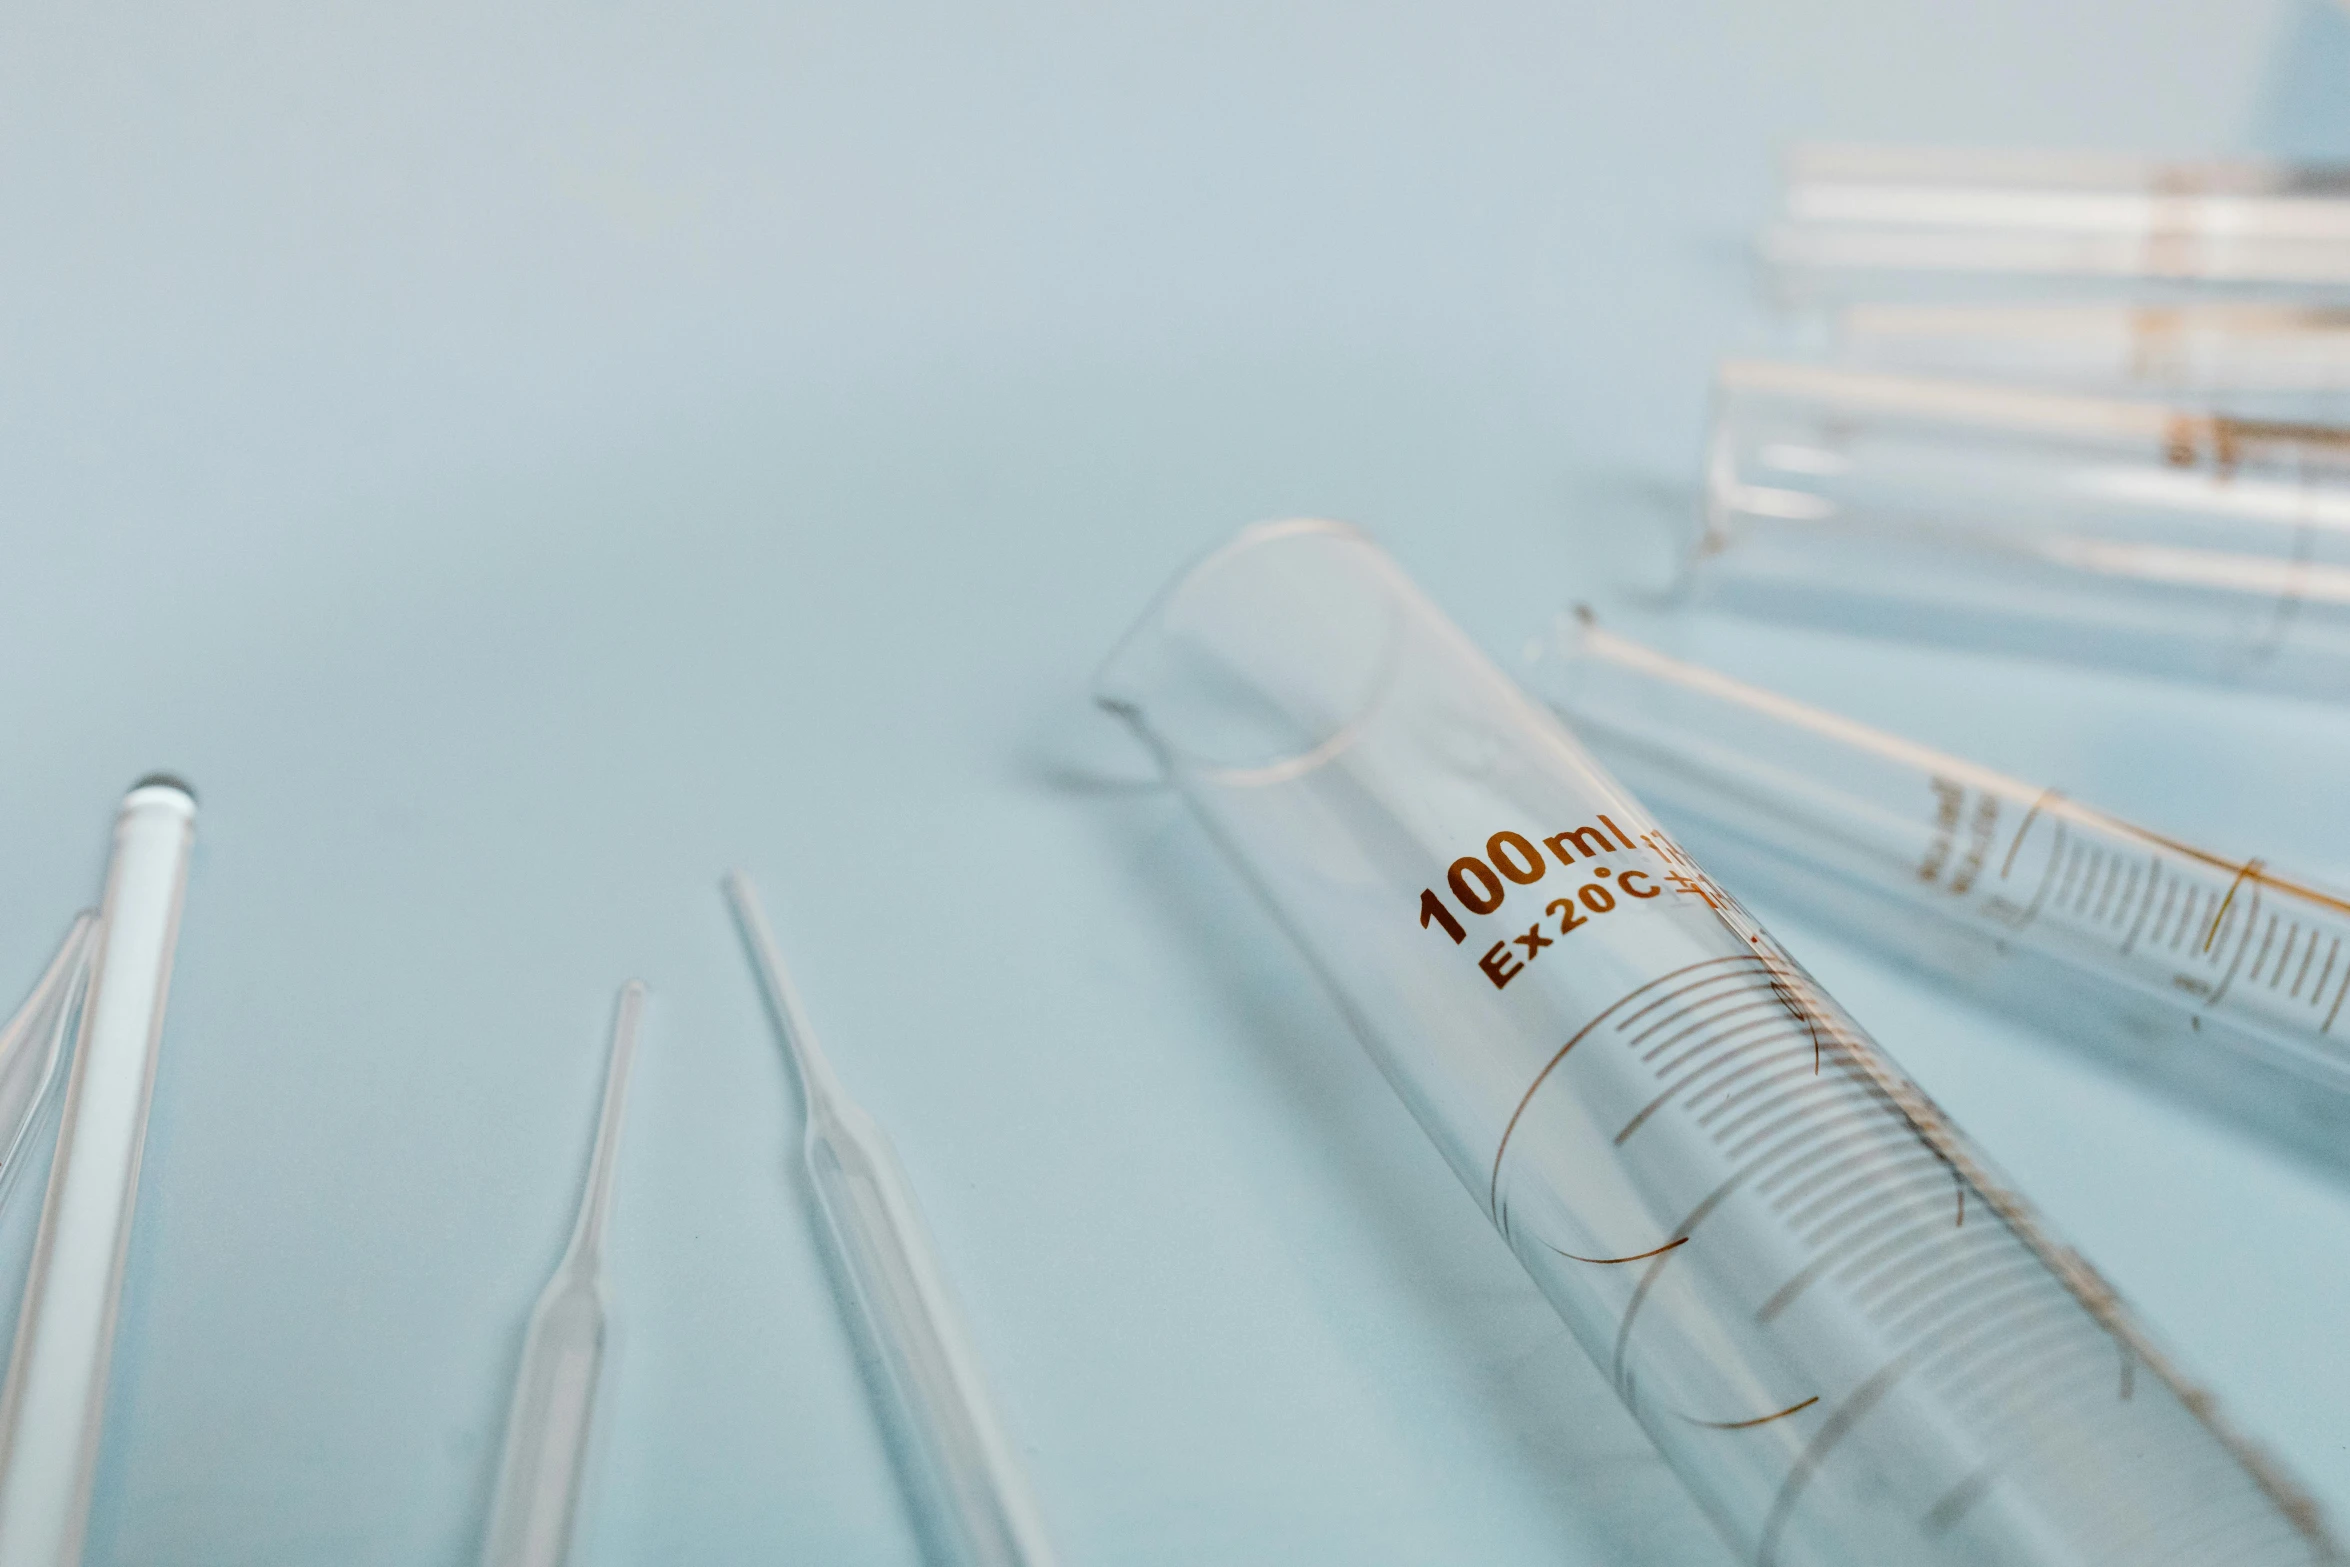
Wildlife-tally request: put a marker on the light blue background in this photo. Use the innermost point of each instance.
(521, 460)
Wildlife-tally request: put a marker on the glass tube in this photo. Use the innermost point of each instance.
(33, 1047)
(1858, 217)
(2221, 980)
(2249, 359)
(54, 1406)
(1853, 1342)
(2150, 538)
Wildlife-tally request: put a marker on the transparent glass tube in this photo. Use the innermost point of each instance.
(55, 1402)
(1857, 211)
(2223, 980)
(2284, 360)
(33, 1045)
(2151, 538)
(1851, 1341)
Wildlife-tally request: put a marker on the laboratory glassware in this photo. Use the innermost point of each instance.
(55, 1401)
(2163, 539)
(33, 1044)
(1853, 218)
(2222, 980)
(542, 1474)
(2246, 358)
(971, 1496)
(1852, 1341)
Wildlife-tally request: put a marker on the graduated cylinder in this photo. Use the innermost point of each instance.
(1851, 1342)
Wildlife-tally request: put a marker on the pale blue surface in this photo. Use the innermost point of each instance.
(520, 464)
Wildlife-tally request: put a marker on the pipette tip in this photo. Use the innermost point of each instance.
(783, 1000)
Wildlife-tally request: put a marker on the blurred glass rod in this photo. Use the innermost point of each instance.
(55, 1399)
(32, 1046)
(2159, 539)
(2241, 357)
(2221, 980)
(971, 1497)
(1860, 209)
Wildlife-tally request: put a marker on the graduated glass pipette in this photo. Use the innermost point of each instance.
(543, 1472)
(2251, 359)
(32, 1045)
(2168, 540)
(1865, 218)
(2221, 980)
(970, 1493)
(55, 1402)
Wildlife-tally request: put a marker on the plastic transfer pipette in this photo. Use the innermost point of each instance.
(55, 1401)
(544, 1470)
(969, 1491)
(2168, 540)
(1852, 1340)
(2223, 980)
(32, 1044)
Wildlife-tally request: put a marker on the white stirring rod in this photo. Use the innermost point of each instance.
(32, 1043)
(544, 1470)
(55, 1400)
(969, 1492)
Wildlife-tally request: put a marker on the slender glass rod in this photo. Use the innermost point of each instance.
(55, 1402)
(33, 1046)
(1852, 212)
(970, 1494)
(2249, 359)
(2220, 979)
(542, 1476)
(2159, 539)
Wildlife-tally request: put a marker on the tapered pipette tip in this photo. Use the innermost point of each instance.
(595, 1201)
(543, 1471)
(783, 997)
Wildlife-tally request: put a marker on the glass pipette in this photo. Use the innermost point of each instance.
(2243, 358)
(1853, 217)
(1851, 1339)
(2222, 980)
(2153, 538)
(970, 1494)
(543, 1472)
(55, 1402)
(32, 1044)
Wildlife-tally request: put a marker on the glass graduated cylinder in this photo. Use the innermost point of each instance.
(1851, 1341)
(2223, 980)
(2151, 538)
